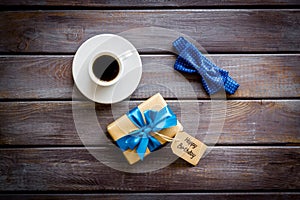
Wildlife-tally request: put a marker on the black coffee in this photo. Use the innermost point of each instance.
(106, 68)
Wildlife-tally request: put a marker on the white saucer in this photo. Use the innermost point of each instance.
(129, 80)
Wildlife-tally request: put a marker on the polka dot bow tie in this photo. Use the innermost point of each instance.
(191, 60)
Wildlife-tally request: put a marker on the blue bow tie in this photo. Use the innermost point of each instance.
(191, 60)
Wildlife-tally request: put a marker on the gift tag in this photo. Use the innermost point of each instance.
(188, 148)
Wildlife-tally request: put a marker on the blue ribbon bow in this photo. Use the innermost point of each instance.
(191, 60)
(142, 139)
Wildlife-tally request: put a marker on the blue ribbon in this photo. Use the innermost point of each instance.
(191, 60)
(142, 139)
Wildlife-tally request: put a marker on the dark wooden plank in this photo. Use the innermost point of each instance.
(247, 122)
(224, 168)
(155, 3)
(49, 77)
(230, 30)
(153, 196)
(36, 77)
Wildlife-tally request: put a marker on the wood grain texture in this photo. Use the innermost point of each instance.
(224, 168)
(247, 122)
(256, 154)
(158, 196)
(50, 77)
(152, 3)
(216, 30)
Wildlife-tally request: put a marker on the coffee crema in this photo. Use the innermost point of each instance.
(106, 68)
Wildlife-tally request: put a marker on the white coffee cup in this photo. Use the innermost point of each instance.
(106, 68)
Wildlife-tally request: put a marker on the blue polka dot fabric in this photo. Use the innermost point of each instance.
(191, 60)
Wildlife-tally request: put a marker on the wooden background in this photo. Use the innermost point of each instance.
(258, 153)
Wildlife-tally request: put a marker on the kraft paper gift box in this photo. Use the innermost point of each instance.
(123, 126)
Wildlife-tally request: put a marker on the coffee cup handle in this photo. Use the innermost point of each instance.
(126, 55)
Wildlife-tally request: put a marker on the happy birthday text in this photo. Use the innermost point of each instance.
(188, 147)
